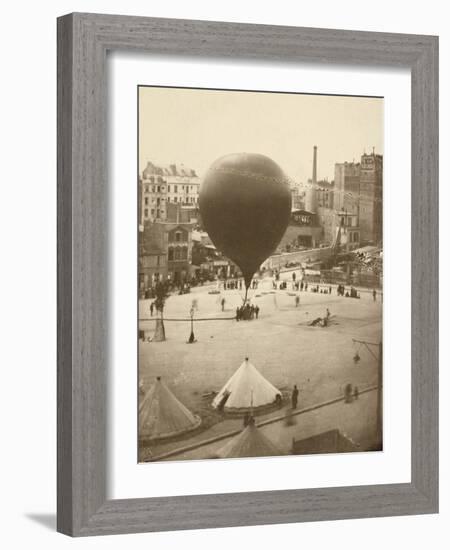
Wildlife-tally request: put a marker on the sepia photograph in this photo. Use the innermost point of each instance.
(260, 273)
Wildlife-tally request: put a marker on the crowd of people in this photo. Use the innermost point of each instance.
(247, 312)
(233, 284)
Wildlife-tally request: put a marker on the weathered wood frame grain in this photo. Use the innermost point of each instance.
(83, 42)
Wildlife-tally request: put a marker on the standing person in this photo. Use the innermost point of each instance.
(297, 301)
(301, 286)
(374, 295)
(329, 290)
(152, 306)
(293, 276)
(223, 304)
(256, 311)
(238, 313)
(294, 397)
(348, 393)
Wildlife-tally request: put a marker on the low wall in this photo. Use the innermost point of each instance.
(279, 261)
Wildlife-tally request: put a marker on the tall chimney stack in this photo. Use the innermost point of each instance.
(314, 174)
(311, 192)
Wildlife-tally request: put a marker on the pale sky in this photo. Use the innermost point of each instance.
(195, 127)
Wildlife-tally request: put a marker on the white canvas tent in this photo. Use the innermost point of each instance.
(162, 415)
(250, 442)
(246, 391)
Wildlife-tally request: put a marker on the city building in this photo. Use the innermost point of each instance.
(347, 231)
(208, 262)
(328, 221)
(325, 194)
(340, 228)
(297, 195)
(358, 189)
(302, 232)
(176, 212)
(347, 177)
(163, 185)
(371, 198)
(165, 252)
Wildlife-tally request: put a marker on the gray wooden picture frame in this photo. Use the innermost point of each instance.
(83, 42)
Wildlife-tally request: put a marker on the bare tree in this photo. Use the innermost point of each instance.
(161, 291)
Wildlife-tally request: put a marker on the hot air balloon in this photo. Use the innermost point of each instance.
(245, 205)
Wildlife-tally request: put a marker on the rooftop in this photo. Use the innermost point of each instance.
(168, 170)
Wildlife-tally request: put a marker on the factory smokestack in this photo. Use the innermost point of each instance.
(314, 174)
(311, 192)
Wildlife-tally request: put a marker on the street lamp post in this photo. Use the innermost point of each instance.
(192, 337)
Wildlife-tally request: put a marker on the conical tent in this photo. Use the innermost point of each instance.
(246, 391)
(162, 415)
(249, 443)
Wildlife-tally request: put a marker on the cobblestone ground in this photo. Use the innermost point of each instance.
(281, 344)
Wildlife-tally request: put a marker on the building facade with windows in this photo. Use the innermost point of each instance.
(347, 177)
(163, 185)
(302, 232)
(165, 253)
(358, 190)
(371, 199)
(325, 194)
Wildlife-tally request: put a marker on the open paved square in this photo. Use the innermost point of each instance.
(280, 343)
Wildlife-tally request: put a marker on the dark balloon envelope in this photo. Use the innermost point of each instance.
(245, 205)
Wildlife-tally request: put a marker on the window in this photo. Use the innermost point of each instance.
(157, 212)
(184, 252)
(176, 188)
(153, 188)
(159, 189)
(168, 199)
(168, 188)
(175, 199)
(177, 254)
(146, 201)
(153, 211)
(178, 236)
(146, 213)
(170, 254)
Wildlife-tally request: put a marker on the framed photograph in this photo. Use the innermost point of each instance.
(247, 274)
